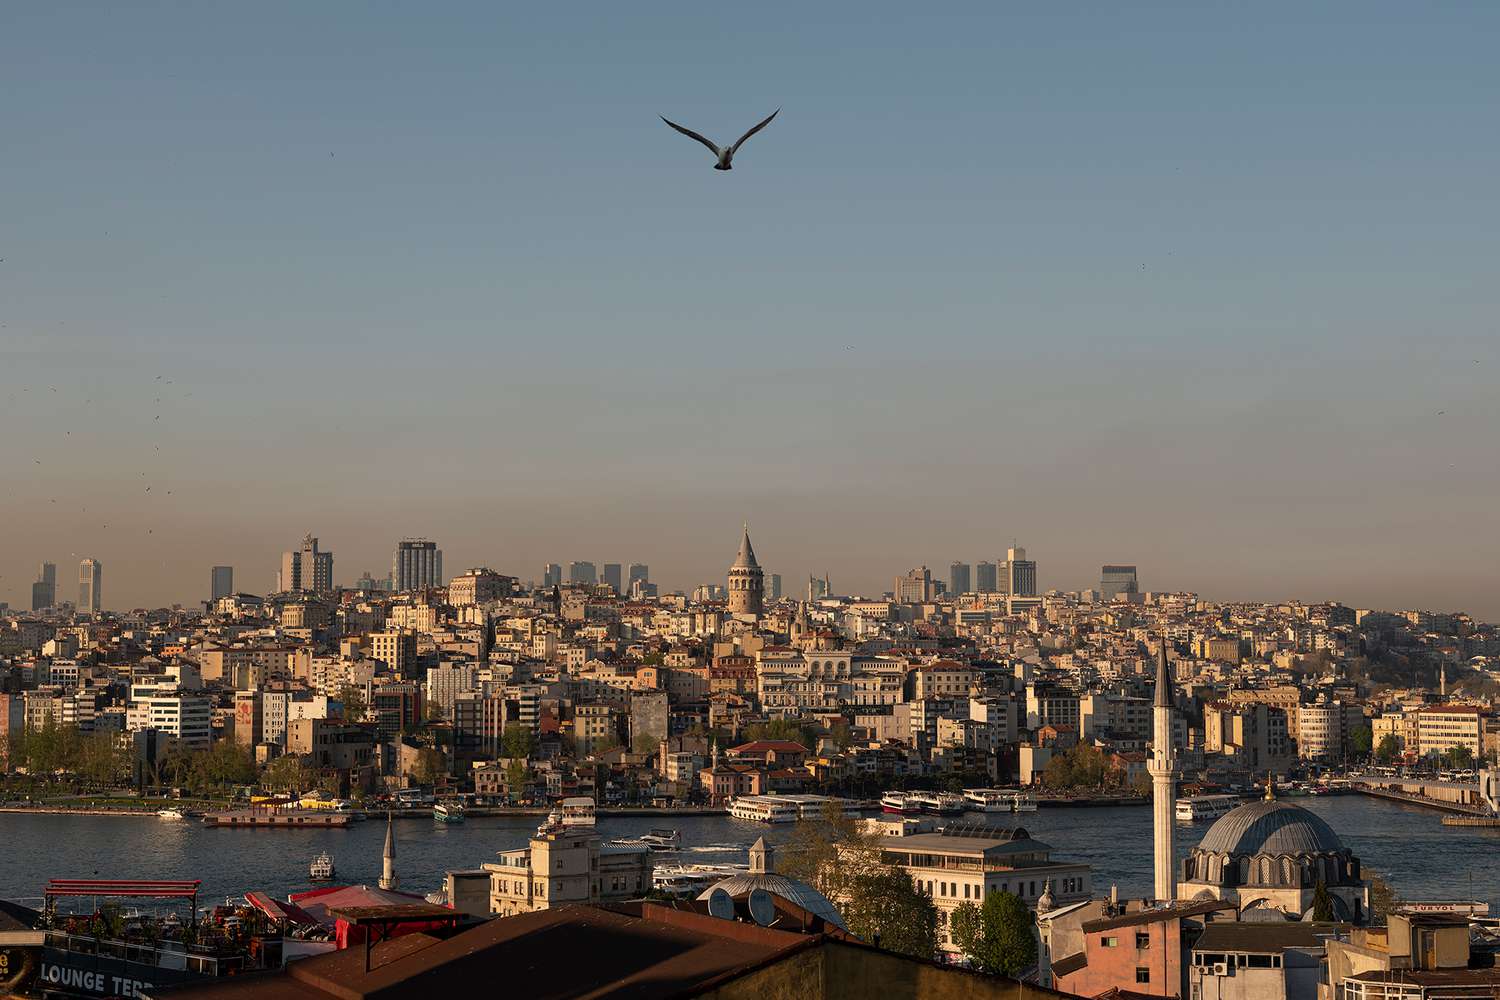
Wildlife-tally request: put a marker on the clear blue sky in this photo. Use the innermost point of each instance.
(1185, 286)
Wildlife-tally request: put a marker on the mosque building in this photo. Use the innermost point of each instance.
(1267, 858)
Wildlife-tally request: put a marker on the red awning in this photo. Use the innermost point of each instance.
(277, 910)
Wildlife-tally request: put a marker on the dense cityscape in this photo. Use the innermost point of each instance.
(882, 728)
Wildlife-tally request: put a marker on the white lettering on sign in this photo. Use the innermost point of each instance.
(93, 982)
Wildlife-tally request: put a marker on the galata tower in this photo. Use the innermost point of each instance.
(747, 583)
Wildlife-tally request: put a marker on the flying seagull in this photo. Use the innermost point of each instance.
(726, 154)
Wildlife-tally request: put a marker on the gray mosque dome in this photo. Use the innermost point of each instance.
(1270, 827)
(761, 876)
(1270, 857)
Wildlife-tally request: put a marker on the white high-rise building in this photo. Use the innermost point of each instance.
(1163, 770)
(90, 578)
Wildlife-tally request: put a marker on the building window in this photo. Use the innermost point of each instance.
(966, 890)
(1142, 974)
(1142, 942)
(1109, 942)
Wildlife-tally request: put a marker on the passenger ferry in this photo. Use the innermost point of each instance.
(578, 811)
(765, 809)
(938, 803)
(1200, 807)
(900, 803)
(994, 800)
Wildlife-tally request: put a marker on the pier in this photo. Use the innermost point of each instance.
(1468, 803)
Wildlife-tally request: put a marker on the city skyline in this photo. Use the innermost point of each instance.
(1209, 283)
(533, 571)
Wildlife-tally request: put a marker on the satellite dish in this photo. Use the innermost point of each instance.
(721, 905)
(762, 907)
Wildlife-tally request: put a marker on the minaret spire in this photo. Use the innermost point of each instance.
(388, 880)
(1163, 769)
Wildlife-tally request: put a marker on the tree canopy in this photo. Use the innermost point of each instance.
(996, 936)
(877, 901)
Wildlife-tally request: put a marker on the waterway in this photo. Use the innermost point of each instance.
(1405, 844)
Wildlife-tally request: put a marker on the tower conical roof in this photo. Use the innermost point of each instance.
(746, 557)
(1163, 678)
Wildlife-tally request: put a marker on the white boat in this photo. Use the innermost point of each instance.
(448, 812)
(171, 814)
(999, 800)
(900, 804)
(690, 880)
(765, 809)
(577, 811)
(1193, 808)
(321, 869)
(662, 839)
(938, 803)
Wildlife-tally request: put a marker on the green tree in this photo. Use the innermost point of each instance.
(1383, 898)
(885, 905)
(997, 936)
(1322, 903)
(352, 697)
(517, 742)
(430, 768)
(1359, 740)
(101, 761)
(1389, 749)
(1459, 756)
(287, 773)
(835, 856)
(515, 777)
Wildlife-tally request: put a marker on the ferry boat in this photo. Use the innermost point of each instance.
(690, 880)
(448, 812)
(899, 803)
(765, 809)
(321, 869)
(938, 803)
(1006, 800)
(662, 839)
(577, 811)
(1201, 807)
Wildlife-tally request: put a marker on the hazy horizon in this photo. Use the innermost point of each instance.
(1202, 290)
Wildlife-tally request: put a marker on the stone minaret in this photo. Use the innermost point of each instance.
(1163, 768)
(746, 581)
(388, 880)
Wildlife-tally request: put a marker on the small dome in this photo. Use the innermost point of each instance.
(1274, 828)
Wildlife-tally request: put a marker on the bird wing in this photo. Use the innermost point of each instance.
(736, 147)
(694, 135)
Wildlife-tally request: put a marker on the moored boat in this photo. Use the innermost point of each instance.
(1191, 809)
(448, 812)
(900, 804)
